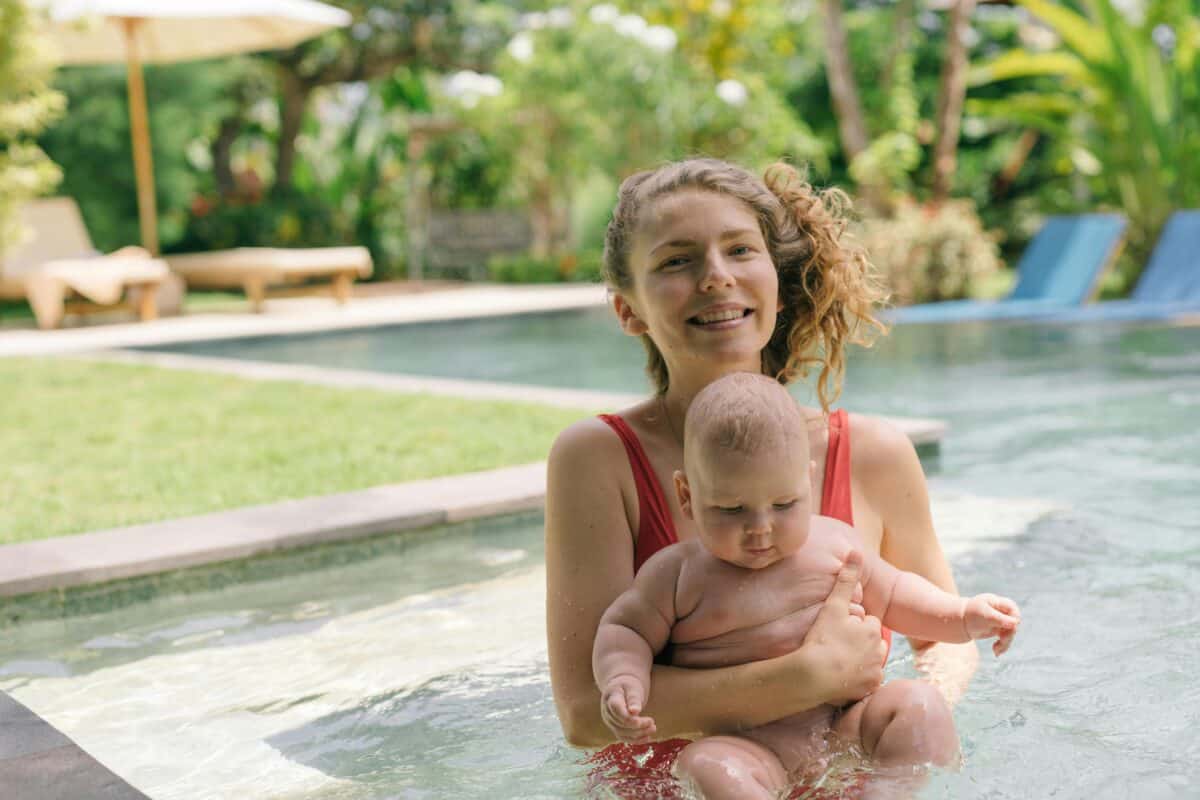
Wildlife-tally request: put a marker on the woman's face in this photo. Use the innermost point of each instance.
(704, 286)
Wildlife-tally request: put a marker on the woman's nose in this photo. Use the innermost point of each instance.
(716, 274)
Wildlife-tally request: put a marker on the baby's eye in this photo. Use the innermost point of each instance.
(730, 509)
(785, 506)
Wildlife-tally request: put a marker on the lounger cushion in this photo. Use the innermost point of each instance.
(271, 264)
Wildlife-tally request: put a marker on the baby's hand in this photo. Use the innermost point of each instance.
(621, 704)
(988, 615)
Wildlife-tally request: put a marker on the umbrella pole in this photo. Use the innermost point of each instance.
(139, 127)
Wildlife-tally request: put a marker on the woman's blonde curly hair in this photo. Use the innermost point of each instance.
(827, 287)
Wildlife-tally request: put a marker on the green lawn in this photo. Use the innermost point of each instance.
(85, 446)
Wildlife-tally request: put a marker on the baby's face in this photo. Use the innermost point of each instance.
(752, 510)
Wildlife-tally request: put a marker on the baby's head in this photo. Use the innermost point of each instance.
(747, 476)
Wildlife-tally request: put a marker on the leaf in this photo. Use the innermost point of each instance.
(1075, 30)
(1020, 63)
(1050, 118)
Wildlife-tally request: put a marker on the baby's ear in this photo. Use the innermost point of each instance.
(684, 493)
(627, 316)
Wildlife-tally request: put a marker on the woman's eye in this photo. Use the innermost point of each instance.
(740, 250)
(674, 261)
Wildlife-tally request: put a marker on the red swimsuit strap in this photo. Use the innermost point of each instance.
(835, 496)
(656, 529)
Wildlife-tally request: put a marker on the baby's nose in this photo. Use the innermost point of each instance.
(758, 527)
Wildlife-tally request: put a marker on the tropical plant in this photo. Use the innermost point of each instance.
(27, 105)
(1124, 92)
(931, 252)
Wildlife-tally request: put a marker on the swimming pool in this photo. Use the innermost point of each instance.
(414, 666)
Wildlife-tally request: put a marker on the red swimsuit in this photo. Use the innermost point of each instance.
(644, 771)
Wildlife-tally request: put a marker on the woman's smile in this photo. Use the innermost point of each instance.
(721, 317)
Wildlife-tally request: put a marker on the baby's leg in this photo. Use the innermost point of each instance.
(720, 767)
(904, 723)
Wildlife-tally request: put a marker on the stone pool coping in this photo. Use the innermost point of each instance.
(39, 762)
(116, 553)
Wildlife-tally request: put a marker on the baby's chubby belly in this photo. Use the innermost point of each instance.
(741, 615)
(773, 638)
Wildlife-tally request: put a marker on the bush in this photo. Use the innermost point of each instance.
(278, 219)
(580, 267)
(524, 269)
(927, 254)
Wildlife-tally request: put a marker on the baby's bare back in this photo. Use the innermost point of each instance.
(739, 615)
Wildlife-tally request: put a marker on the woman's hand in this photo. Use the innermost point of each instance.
(844, 647)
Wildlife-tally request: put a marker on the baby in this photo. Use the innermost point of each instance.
(749, 588)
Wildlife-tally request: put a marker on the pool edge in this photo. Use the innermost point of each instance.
(40, 762)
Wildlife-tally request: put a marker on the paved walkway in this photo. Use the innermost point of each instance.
(305, 315)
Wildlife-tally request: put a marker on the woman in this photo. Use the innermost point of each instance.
(717, 272)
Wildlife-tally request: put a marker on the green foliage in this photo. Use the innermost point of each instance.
(928, 253)
(598, 90)
(92, 144)
(1126, 96)
(27, 105)
(581, 267)
(524, 269)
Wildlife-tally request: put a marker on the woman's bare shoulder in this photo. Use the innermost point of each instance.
(878, 446)
(586, 444)
(591, 443)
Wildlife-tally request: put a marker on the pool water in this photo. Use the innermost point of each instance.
(414, 666)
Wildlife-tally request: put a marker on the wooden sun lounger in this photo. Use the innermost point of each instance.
(59, 271)
(257, 269)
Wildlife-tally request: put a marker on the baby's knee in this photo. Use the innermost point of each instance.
(913, 724)
(724, 767)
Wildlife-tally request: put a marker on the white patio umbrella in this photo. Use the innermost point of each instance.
(165, 31)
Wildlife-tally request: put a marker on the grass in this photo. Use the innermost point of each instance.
(85, 446)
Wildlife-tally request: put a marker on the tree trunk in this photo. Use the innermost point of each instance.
(542, 219)
(951, 94)
(222, 153)
(902, 33)
(846, 105)
(293, 100)
(1012, 167)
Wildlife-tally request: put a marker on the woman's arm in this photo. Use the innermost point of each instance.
(890, 474)
(589, 562)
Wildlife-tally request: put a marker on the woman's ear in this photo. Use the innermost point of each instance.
(684, 493)
(627, 316)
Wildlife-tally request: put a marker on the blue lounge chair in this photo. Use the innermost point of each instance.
(1169, 286)
(1059, 269)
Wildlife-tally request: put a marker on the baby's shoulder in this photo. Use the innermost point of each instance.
(832, 537)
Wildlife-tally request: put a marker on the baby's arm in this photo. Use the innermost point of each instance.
(909, 604)
(635, 627)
